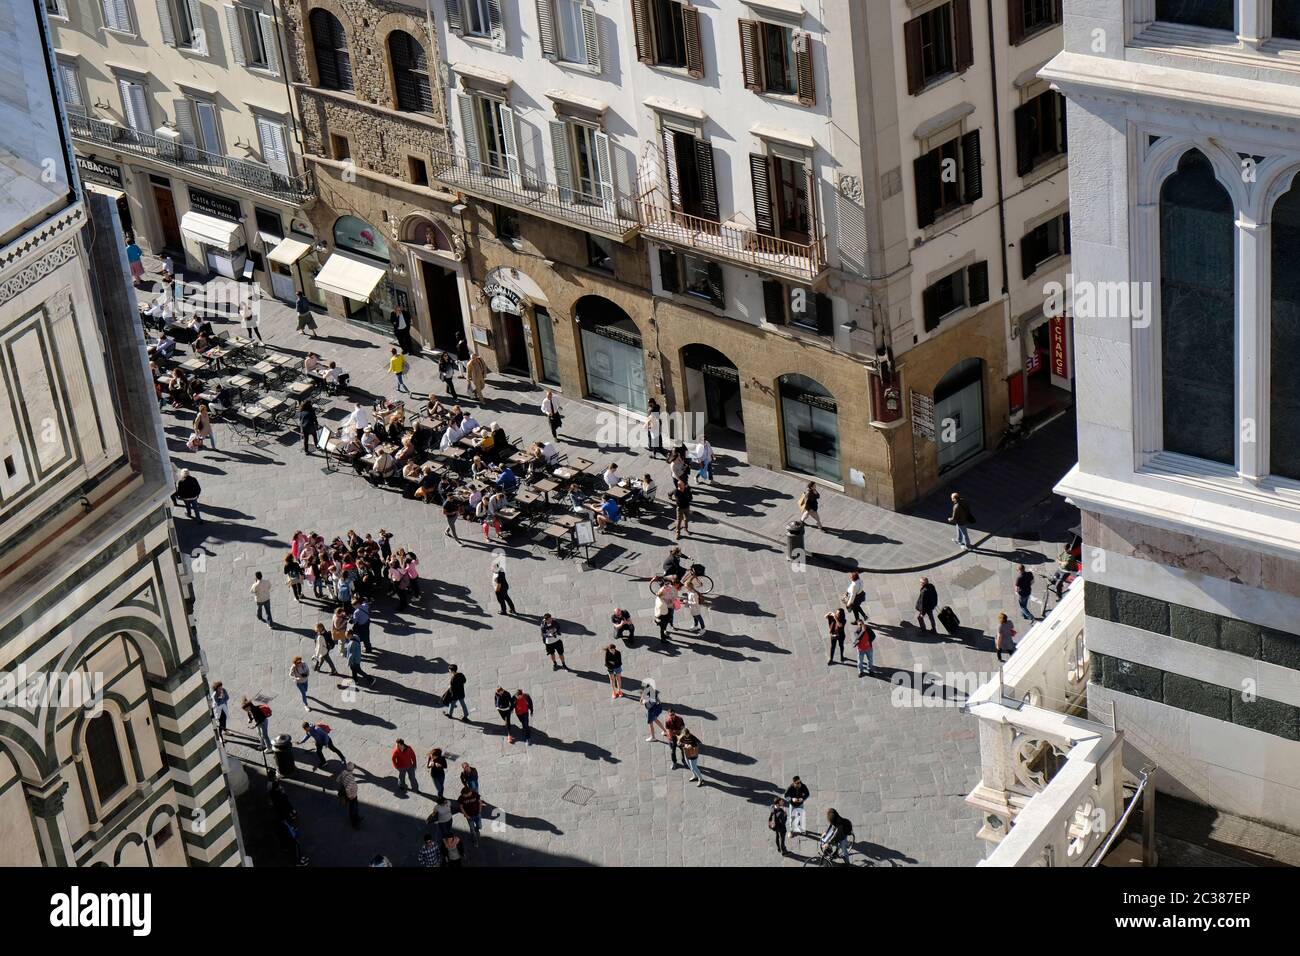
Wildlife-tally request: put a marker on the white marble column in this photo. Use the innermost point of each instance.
(1253, 301)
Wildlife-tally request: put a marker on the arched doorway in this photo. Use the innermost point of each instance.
(612, 353)
(810, 426)
(512, 296)
(713, 391)
(959, 413)
(433, 259)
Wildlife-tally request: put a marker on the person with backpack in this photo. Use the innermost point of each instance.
(436, 763)
(690, 745)
(259, 716)
(865, 644)
(346, 786)
(403, 758)
(673, 727)
(524, 711)
(926, 601)
(796, 795)
(456, 694)
(653, 708)
(551, 641)
(319, 734)
(324, 644)
(614, 667)
(961, 518)
(776, 823)
(809, 502)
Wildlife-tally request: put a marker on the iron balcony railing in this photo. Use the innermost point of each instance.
(799, 261)
(255, 177)
(612, 214)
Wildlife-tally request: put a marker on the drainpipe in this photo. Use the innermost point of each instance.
(997, 145)
(284, 75)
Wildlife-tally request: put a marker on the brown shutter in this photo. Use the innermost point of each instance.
(774, 301)
(751, 61)
(803, 63)
(694, 51)
(977, 281)
(915, 69)
(810, 195)
(972, 173)
(926, 171)
(670, 169)
(1024, 123)
(669, 279)
(962, 35)
(1016, 20)
(708, 182)
(645, 47)
(760, 172)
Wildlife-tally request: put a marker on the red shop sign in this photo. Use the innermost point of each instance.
(1060, 362)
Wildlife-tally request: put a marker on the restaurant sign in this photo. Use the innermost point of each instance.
(210, 204)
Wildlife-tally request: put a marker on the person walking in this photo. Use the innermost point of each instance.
(551, 409)
(1005, 641)
(476, 375)
(453, 854)
(319, 734)
(188, 491)
(523, 711)
(796, 795)
(653, 709)
(855, 596)
(202, 425)
(403, 757)
(305, 318)
(1024, 590)
(259, 718)
(471, 806)
(293, 576)
(961, 518)
(346, 786)
(673, 727)
(654, 429)
(927, 599)
(220, 708)
(299, 673)
(704, 460)
(261, 591)
(551, 641)
(468, 776)
(397, 365)
(430, 852)
(308, 425)
(501, 588)
(682, 497)
(250, 318)
(440, 818)
(504, 702)
(135, 260)
(456, 693)
(776, 820)
(361, 622)
(451, 511)
(447, 372)
(436, 763)
(835, 624)
(352, 653)
(402, 330)
(690, 745)
(694, 601)
(614, 667)
(324, 644)
(809, 502)
(666, 601)
(865, 642)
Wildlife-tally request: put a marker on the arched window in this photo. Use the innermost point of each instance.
(410, 73)
(330, 44)
(1198, 313)
(1284, 386)
(810, 421)
(105, 757)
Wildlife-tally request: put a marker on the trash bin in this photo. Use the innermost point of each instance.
(794, 540)
(282, 748)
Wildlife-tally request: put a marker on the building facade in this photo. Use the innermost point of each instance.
(1185, 212)
(180, 110)
(107, 753)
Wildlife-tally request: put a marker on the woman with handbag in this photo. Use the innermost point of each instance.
(690, 745)
(776, 823)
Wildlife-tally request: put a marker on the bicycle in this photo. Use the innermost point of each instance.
(703, 583)
(822, 858)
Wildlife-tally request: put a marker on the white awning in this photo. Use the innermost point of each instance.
(349, 278)
(288, 251)
(111, 191)
(212, 231)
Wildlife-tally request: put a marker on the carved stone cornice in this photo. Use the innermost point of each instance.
(42, 236)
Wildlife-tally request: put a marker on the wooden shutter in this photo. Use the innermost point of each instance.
(591, 34)
(962, 40)
(71, 87)
(563, 166)
(165, 21)
(1029, 254)
(185, 124)
(198, 35)
(269, 44)
(751, 56)
(760, 171)
(1065, 233)
(1024, 121)
(1060, 117)
(237, 34)
(546, 29)
(810, 197)
(926, 171)
(803, 68)
(455, 19)
(824, 312)
(645, 44)
(774, 301)
(708, 182)
(915, 66)
(604, 168)
(670, 168)
(469, 131)
(509, 122)
(972, 174)
(691, 31)
(717, 293)
(930, 314)
(1016, 21)
(274, 152)
(494, 21)
(977, 281)
(669, 274)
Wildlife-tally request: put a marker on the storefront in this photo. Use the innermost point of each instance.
(284, 263)
(612, 353)
(1045, 386)
(106, 178)
(357, 271)
(216, 224)
(959, 413)
(713, 391)
(811, 428)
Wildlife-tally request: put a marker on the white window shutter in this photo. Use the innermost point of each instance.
(563, 163)
(187, 127)
(604, 168)
(71, 87)
(469, 131)
(165, 21)
(123, 15)
(196, 24)
(494, 20)
(508, 123)
(268, 43)
(591, 33)
(274, 152)
(546, 29)
(236, 34)
(670, 168)
(135, 105)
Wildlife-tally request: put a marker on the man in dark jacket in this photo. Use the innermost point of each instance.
(308, 425)
(795, 795)
(188, 491)
(961, 517)
(926, 601)
(402, 330)
(456, 693)
(1024, 588)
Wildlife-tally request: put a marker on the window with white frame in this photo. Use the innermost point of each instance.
(777, 59)
(475, 18)
(252, 38)
(117, 16)
(568, 32)
(56, 8)
(487, 126)
(582, 162)
(135, 105)
(274, 143)
(667, 33)
(784, 194)
(181, 22)
(70, 81)
(198, 122)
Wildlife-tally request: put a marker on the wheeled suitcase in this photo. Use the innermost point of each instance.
(948, 618)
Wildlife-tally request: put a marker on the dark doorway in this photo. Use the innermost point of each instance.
(446, 321)
(171, 229)
(516, 351)
(713, 391)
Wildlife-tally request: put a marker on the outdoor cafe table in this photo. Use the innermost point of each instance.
(193, 365)
(618, 492)
(579, 464)
(546, 486)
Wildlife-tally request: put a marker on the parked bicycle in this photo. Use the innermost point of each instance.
(703, 583)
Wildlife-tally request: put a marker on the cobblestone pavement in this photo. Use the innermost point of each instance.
(590, 791)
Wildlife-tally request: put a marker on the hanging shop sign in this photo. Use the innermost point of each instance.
(502, 297)
(1060, 361)
(97, 171)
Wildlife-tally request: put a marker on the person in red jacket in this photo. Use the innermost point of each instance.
(524, 711)
(866, 647)
(404, 762)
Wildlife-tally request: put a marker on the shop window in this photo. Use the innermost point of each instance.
(810, 424)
